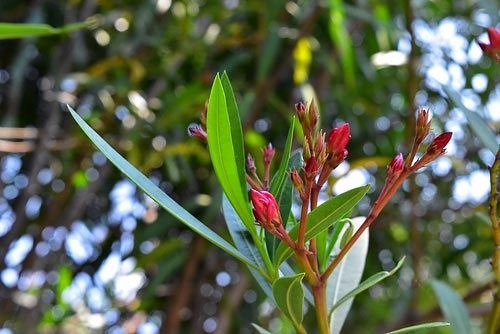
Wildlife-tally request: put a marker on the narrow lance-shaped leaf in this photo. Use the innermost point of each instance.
(323, 217)
(157, 194)
(25, 30)
(346, 277)
(366, 284)
(453, 308)
(260, 330)
(421, 327)
(289, 297)
(225, 144)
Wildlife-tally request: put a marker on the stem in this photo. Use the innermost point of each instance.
(319, 293)
(494, 321)
(379, 204)
(303, 217)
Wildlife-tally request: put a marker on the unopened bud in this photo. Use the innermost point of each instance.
(300, 108)
(320, 148)
(492, 49)
(395, 167)
(313, 115)
(195, 130)
(265, 209)
(297, 181)
(268, 154)
(338, 138)
(439, 143)
(311, 168)
(251, 165)
(423, 124)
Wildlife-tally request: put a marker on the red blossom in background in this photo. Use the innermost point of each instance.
(492, 49)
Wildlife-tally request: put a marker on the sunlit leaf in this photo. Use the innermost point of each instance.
(225, 143)
(345, 278)
(156, 193)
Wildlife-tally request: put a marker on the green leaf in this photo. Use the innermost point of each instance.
(157, 194)
(225, 144)
(240, 235)
(324, 253)
(420, 327)
(287, 270)
(346, 277)
(476, 123)
(289, 297)
(260, 330)
(453, 307)
(366, 284)
(24, 30)
(323, 217)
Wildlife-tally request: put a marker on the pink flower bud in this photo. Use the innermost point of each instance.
(265, 208)
(268, 154)
(438, 144)
(492, 49)
(395, 167)
(338, 138)
(195, 130)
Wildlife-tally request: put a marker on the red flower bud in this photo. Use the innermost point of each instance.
(195, 130)
(395, 167)
(492, 49)
(439, 143)
(338, 138)
(265, 208)
(268, 154)
(311, 168)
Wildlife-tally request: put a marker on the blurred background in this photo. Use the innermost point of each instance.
(83, 251)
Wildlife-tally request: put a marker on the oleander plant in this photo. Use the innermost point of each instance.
(293, 258)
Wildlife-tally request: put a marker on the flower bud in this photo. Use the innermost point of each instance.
(297, 181)
(492, 49)
(268, 154)
(423, 124)
(439, 143)
(251, 165)
(265, 209)
(313, 115)
(320, 148)
(195, 130)
(300, 108)
(395, 167)
(311, 168)
(338, 138)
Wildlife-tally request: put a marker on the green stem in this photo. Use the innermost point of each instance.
(319, 293)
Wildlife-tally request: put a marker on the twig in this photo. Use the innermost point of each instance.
(494, 321)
